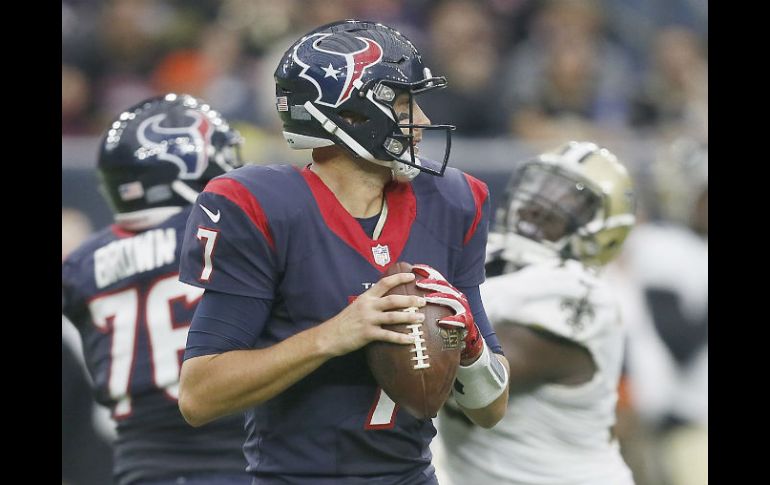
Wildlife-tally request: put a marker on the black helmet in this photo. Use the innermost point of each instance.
(162, 152)
(356, 68)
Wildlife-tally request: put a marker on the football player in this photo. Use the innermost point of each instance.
(292, 261)
(121, 289)
(567, 213)
(662, 284)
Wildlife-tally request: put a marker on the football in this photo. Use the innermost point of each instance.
(417, 377)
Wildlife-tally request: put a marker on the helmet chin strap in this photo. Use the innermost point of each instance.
(400, 172)
(184, 191)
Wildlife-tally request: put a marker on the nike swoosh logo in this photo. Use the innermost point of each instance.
(212, 216)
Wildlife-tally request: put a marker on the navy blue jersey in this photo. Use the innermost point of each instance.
(122, 292)
(277, 233)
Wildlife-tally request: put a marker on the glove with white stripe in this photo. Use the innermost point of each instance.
(443, 293)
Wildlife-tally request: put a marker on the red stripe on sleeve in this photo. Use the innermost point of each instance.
(480, 194)
(236, 193)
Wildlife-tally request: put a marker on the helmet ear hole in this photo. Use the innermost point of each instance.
(352, 118)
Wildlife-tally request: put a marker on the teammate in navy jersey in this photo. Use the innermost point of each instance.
(121, 289)
(292, 261)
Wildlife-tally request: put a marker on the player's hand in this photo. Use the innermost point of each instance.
(362, 321)
(443, 293)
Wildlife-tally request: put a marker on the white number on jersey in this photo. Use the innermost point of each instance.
(118, 313)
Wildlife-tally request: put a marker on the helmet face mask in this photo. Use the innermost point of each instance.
(161, 152)
(357, 69)
(573, 203)
(548, 205)
(225, 149)
(400, 141)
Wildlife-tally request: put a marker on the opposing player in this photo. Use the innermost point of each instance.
(122, 291)
(567, 213)
(292, 263)
(662, 283)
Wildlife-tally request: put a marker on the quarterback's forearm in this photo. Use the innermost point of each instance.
(491, 414)
(212, 386)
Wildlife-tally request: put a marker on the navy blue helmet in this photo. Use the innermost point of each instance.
(353, 70)
(162, 151)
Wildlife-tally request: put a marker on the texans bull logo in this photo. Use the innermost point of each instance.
(334, 73)
(184, 146)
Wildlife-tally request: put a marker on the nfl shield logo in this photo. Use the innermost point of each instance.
(381, 254)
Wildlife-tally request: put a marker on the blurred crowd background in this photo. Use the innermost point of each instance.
(524, 76)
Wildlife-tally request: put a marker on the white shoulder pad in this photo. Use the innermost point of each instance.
(562, 298)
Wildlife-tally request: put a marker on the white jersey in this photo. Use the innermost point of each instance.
(556, 434)
(675, 260)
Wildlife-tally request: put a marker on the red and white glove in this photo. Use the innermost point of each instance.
(443, 293)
